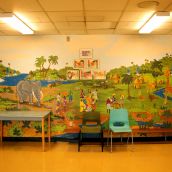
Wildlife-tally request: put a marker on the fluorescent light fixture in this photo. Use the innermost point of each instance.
(14, 22)
(155, 21)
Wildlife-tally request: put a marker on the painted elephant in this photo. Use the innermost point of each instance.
(29, 89)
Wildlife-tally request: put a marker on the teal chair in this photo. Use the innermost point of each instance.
(119, 123)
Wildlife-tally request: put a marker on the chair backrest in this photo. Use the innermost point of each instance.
(91, 117)
(119, 115)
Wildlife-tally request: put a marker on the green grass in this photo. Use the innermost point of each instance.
(135, 104)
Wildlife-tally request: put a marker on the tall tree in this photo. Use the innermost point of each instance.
(53, 60)
(156, 67)
(127, 79)
(40, 61)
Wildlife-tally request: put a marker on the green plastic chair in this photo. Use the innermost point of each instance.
(119, 123)
(91, 124)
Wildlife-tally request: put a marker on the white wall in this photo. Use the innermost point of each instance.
(112, 50)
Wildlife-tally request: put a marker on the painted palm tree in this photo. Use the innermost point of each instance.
(156, 67)
(53, 60)
(40, 61)
(127, 79)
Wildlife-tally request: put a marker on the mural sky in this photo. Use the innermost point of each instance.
(112, 51)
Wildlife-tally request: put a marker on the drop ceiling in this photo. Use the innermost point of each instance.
(84, 17)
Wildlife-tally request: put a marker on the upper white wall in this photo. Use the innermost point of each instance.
(111, 50)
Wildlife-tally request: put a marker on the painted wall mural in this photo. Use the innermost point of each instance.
(145, 89)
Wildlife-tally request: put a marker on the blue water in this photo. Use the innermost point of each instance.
(13, 80)
(160, 93)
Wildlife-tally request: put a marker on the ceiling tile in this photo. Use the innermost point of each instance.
(169, 7)
(61, 5)
(46, 32)
(100, 25)
(102, 16)
(105, 5)
(166, 26)
(132, 5)
(161, 31)
(136, 16)
(4, 26)
(10, 33)
(19, 5)
(66, 16)
(125, 31)
(70, 25)
(32, 17)
(73, 32)
(43, 27)
(130, 25)
(100, 31)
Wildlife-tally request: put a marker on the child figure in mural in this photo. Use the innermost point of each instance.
(82, 94)
(94, 95)
(113, 98)
(58, 104)
(93, 104)
(82, 105)
(64, 103)
(58, 108)
(58, 98)
(121, 100)
(70, 96)
(108, 104)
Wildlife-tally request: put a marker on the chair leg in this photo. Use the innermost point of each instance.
(132, 137)
(128, 138)
(79, 141)
(111, 141)
(121, 138)
(108, 137)
(102, 142)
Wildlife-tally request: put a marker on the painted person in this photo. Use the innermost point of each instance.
(82, 94)
(82, 105)
(108, 104)
(121, 100)
(58, 98)
(93, 104)
(94, 95)
(64, 103)
(70, 96)
(89, 105)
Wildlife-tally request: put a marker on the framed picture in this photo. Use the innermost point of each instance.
(72, 75)
(85, 74)
(93, 64)
(99, 74)
(79, 63)
(86, 53)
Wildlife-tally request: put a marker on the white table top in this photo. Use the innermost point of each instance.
(23, 115)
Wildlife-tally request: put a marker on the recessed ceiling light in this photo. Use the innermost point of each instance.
(148, 4)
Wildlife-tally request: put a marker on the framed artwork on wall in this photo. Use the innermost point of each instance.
(99, 74)
(85, 74)
(93, 64)
(79, 64)
(72, 75)
(86, 53)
